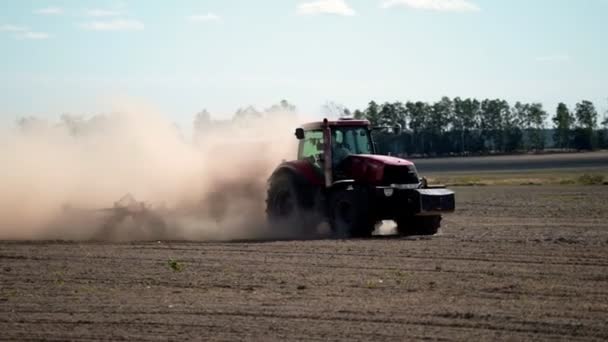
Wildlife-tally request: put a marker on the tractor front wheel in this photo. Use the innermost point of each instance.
(349, 214)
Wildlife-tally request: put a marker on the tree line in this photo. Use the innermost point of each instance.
(471, 126)
(446, 127)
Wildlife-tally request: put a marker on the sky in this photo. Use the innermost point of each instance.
(179, 57)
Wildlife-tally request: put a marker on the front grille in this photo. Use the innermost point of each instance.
(400, 174)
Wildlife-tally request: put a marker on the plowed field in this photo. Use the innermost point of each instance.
(525, 263)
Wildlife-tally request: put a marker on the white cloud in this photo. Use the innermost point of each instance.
(97, 12)
(22, 32)
(12, 28)
(207, 17)
(434, 5)
(35, 35)
(50, 11)
(338, 7)
(553, 59)
(114, 25)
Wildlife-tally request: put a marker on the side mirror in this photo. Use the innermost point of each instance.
(300, 133)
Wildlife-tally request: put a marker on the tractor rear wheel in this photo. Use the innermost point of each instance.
(419, 225)
(349, 214)
(285, 205)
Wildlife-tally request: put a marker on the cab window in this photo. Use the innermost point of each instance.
(355, 139)
(311, 147)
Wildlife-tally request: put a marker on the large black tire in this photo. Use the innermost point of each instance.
(287, 205)
(350, 214)
(419, 225)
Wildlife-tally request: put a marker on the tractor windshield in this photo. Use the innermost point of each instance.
(350, 140)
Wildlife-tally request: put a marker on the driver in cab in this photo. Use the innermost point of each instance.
(339, 148)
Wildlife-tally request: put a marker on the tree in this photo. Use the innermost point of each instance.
(563, 121)
(586, 118)
(73, 123)
(603, 138)
(531, 119)
(439, 120)
(282, 107)
(512, 134)
(32, 124)
(359, 115)
(604, 122)
(392, 117)
(391, 114)
(372, 113)
(418, 114)
(247, 113)
(521, 113)
(202, 122)
(333, 110)
(491, 125)
(586, 115)
(537, 116)
(440, 115)
(464, 119)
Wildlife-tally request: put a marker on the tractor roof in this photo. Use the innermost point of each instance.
(339, 122)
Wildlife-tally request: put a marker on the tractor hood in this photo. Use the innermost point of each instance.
(379, 170)
(386, 160)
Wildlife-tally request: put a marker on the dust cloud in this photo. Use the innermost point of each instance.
(133, 175)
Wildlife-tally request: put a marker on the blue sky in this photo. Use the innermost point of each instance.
(81, 57)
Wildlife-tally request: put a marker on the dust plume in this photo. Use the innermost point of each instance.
(133, 175)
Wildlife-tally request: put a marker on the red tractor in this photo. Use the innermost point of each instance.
(339, 178)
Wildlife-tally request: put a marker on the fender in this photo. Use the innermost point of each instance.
(308, 180)
(303, 172)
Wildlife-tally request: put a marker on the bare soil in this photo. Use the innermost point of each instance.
(518, 263)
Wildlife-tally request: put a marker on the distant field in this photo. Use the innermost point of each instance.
(592, 160)
(596, 176)
(553, 169)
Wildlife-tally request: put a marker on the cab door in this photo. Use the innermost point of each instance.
(311, 149)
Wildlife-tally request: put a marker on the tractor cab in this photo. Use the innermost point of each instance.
(344, 150)
(328, 144)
